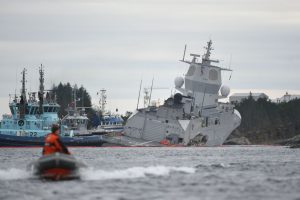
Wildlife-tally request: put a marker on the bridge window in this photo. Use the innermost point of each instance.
(191, 70)
(32, 110)
(50, 109)
(213, 75)
(27, 110)
(12, 110)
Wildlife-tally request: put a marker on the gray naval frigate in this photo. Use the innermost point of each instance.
(194, 115)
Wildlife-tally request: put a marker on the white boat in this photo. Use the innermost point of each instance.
(194, 115)
(108, 121)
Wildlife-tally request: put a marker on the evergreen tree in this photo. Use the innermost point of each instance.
(264, 121)
(65, 98)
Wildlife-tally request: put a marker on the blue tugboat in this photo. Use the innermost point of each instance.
(31, 120)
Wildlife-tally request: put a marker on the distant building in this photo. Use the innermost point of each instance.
(238, 97)
(287, 97)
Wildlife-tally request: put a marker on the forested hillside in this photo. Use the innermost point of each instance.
(265, 122)
(65, 97)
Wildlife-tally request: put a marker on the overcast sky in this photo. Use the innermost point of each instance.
(113, 44)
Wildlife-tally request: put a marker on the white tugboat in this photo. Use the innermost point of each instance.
(76, 121)
(193, 116)
(108, 122)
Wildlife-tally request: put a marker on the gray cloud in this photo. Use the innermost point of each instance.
(113, 44)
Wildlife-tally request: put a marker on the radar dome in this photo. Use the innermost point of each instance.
(178, 82)
(225, 90)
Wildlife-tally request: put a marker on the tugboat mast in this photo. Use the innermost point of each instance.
(23, 90)
(41, 90)
(41, 71)
(23, 99)
(75, 96)
(102, 101)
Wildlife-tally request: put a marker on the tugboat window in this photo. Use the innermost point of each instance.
(12, 110)
(27, 110)
(51, 109)
(31, 110)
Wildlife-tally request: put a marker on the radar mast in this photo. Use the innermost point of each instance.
(208, 49)
(23, 100)
(102, 100)
(41, 89)
(23, 90)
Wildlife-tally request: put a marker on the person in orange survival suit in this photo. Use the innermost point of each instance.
(53, 143)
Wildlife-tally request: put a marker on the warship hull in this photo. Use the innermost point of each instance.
(198, 131)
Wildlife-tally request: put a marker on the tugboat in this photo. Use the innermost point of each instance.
(193, 116)
(76, 121)
(108, 123)
(31, 119)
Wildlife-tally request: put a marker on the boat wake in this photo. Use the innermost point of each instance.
(14, 174)
(98, 174)
(134, 172)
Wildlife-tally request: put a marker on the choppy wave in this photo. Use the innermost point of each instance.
(134, 172)
(218, 165)
(14, 174)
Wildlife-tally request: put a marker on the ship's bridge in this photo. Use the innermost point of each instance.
(33, 108)
(203, 80)
(30, 109)
(51, 108)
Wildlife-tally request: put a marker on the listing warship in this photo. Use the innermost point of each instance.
(194, 115)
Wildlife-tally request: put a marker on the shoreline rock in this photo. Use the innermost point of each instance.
(290, 141)
(296, 146)
(237, 141)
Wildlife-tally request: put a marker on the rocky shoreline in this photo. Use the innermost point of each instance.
(267, 123)
(293, 142)
(237, 141)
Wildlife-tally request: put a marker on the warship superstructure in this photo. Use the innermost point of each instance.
(194, 115)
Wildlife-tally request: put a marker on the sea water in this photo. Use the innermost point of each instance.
(235, 172)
